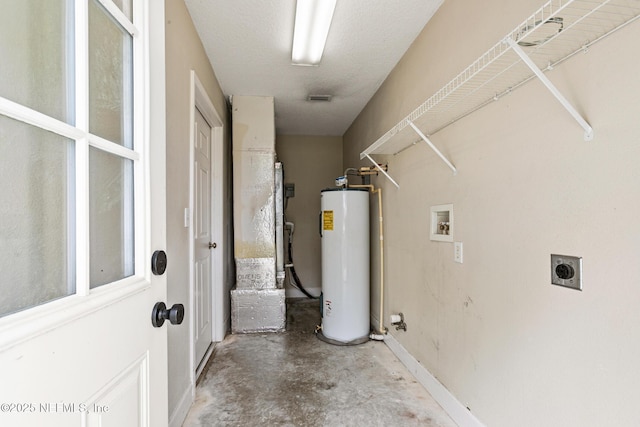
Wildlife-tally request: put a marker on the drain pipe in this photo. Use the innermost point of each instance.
(381, 328)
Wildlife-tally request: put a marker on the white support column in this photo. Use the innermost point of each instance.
(380, 169)
(433, 147)
(588, 130)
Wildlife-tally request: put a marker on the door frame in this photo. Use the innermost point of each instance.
(200, 100)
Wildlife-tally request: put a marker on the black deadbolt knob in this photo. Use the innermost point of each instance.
(159, 263)
(160, 313)
(565, 271)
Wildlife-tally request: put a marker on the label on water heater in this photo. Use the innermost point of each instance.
(327, 220)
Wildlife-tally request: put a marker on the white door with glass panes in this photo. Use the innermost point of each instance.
(82, 211)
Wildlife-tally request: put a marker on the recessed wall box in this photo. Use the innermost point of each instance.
(442, 223)
(566, 271)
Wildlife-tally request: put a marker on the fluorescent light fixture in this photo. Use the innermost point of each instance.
(313, 19)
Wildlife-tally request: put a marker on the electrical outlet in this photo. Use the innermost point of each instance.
(566, 271)
(457, 252)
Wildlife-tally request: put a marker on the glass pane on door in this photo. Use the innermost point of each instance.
(37, 56)
(110, 78)
(110, 217)
(36, 230)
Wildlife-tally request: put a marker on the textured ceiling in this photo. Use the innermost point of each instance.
(249, 45)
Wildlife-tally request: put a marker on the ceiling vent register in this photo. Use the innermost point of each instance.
(319, 98)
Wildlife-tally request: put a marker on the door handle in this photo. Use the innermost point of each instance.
(160, 313)
(213, 245)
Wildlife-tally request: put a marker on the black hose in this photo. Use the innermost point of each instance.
(296, 279)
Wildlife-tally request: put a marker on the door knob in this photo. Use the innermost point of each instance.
(160, 313)
(213, 245)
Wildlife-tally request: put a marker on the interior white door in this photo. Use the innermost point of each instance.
(202, 238)
(90, 356)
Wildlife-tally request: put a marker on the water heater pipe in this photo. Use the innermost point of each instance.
(381, 328)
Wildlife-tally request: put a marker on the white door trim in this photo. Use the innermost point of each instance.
(200, 100)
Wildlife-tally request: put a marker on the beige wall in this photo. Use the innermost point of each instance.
(312, 163)
(509, 345)
(184, 52)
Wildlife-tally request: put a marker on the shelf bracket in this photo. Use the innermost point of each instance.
(381, 170)
(433, 147)
(588, 130)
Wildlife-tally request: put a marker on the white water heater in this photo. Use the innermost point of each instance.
(344, 228)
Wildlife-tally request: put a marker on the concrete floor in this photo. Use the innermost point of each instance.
(294, 379)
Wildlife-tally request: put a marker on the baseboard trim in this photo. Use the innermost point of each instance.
(203, 363)
(227, 326)
(456, 410)
(182, 409)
